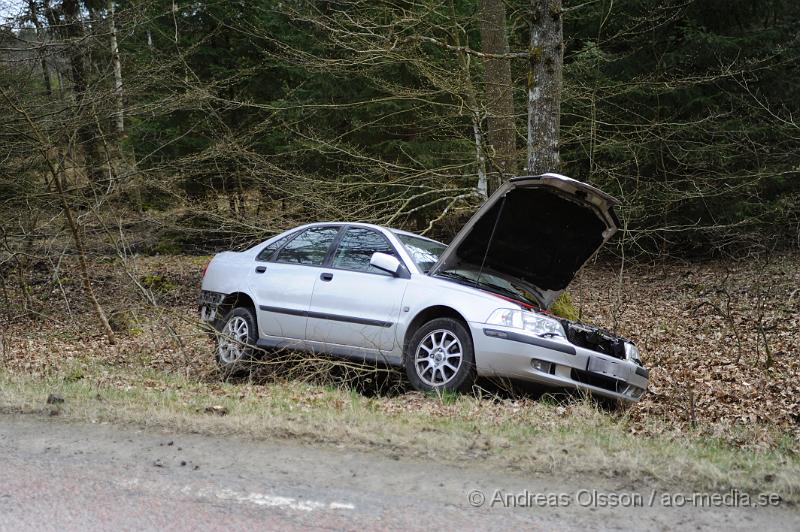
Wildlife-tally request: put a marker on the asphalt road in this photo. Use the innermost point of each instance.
(63, 476)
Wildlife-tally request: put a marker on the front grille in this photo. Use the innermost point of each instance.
(595, 339)
(599, 381)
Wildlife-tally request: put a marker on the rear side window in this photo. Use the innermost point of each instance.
(309, 247)
(270, 250)
(356, 249)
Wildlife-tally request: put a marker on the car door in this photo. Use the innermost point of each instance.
(283, 282)
(355, 304)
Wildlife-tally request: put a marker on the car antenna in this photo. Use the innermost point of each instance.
(491, 236)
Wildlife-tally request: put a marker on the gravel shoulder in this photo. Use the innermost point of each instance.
(65, 476)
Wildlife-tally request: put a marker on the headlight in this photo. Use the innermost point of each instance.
(632, 353)
(538, 324)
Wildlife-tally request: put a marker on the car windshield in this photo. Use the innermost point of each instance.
(491, 282)
(424, 252)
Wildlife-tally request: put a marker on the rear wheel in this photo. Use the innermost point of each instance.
(236, 339)
(440, 356)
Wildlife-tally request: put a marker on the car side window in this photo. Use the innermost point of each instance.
(269, 251)
(356, 248)
(309, 247)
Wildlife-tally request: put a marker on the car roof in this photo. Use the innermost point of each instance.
(375, 226)
(415, 235)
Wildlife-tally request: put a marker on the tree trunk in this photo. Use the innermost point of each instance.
(54, 26)
(60, 78)
(546, 57)
(483, 188)
(87, 131)
(501, 135)
(471, 97)
(475, 112)
(119, 118)
(41, 37)
(83, 267)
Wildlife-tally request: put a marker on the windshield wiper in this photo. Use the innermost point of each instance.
(503, 289)
(510, 293)
(458, 276)
(483, 284)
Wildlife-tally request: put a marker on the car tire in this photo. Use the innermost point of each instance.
(236, 340)
(441, 356)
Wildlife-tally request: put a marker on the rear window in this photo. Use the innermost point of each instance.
(270, 249)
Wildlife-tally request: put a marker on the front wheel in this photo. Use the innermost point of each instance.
(441, 356)
(236, 339)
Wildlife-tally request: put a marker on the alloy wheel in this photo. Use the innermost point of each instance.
(438, 357)
(233, 340)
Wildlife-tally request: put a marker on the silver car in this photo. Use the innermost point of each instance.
(446, 314)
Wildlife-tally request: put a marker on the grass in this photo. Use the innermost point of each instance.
(574, 438)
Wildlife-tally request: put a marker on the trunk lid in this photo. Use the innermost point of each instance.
(535, 233)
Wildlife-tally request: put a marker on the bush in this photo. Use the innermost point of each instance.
(564, 308)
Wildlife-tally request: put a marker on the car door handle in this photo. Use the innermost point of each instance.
(326, 276)
(261, 269)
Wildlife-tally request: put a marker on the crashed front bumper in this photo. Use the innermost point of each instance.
(512, 353)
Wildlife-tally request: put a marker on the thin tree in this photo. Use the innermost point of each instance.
(41, 35)
(501, 145)
(56, 170)
(119, 115)
(88, 133)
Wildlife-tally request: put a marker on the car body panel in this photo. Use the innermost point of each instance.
(226, 271)
(537, 230)
(369, 322)
(283, 295)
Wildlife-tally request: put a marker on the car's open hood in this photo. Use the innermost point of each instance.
(536, 229)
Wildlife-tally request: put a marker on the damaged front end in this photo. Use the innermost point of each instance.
(594, 338)
(525, 245)
(600, 373)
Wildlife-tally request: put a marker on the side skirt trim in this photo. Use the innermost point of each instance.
(343, 351)
(325, 316)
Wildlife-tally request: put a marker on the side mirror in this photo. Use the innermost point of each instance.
(385, 262)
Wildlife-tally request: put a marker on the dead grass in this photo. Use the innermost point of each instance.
(521, 434)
